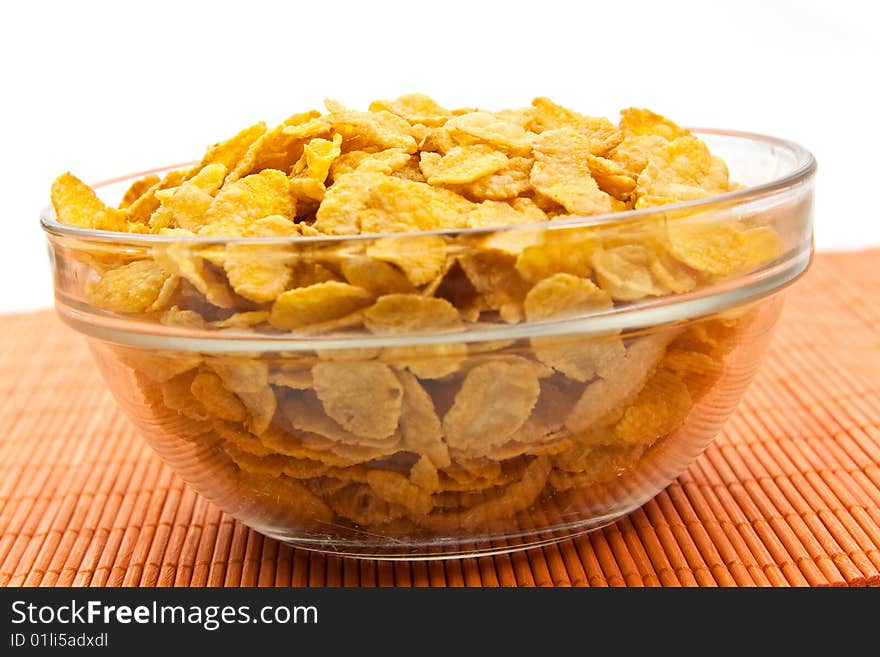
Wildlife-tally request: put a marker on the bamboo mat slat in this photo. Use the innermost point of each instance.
(787, 495)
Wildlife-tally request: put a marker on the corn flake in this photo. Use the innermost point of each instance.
(415, 108)
(420, 257)
(683, 171)
(242, 202)
(562, 295)
(380, 129)
(434, 361)
(208, 388)
(464, 164)
(644, 122)
(375, 203)
(229, 152)
(605, 396)
(500, 213)
(378, 277)
(504, 184)
(547, 115)
(411, 313)
(495, 399)
(259, 272)
(419, 423)
(75, 203)
(140, 286)
(562, 173)
(484, 128)
(363, 397)
(314, 304)
(658, 410)
(137, 189)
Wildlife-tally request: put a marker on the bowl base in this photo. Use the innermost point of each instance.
(442, 550)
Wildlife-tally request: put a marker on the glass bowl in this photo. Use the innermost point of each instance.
(380, 424)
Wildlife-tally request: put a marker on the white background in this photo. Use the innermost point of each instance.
(103, 89)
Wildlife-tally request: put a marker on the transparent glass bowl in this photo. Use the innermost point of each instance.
(427, 439)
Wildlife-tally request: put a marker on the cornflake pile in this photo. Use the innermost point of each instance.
(443, 438)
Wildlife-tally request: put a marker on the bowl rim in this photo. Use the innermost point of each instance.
(804, 169)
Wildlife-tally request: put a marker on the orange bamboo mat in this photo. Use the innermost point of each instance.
(789, 494)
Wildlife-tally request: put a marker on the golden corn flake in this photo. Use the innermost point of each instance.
(625, 272)
(305, 272)
(763, 245)
(387, 162)
(495, 399)
(358, 503)
(190, 265)
(240, 203)
(261, 407)
(177, 395)
(547, 115)
(291, 501)
(307, 125)
(208, 388)
(181, 207)
(274, 465)
(415, 108)
(140, 211)
(485, 128)
(561, 172)
(319, 436)
(644, 122)
(174, 316)
(581, 359)
(516, 497)
(398, 489)
(608, 394)
(158, 366)
(420, 257)
(380, 129)
(375, 203)
(431, 361)
(240, 373)
(697, 370)
(563, 295)
(559, 251)
(411, 313)
(464, 164)
(424, 474)
(634, 152)
(658, 410)
(75, 203)
(419, 423)
(363, 397)
(683, 171)
(378, 277)
(500, 213)
(320, 154)
(314, 304)
(259, 272)
(612, 177)
(137, 189)
(229, 152)
(245, 319)
(493, 275)
(298, 377)
(276, 149)
(140, 286)
(504, 184)
(711, 247)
